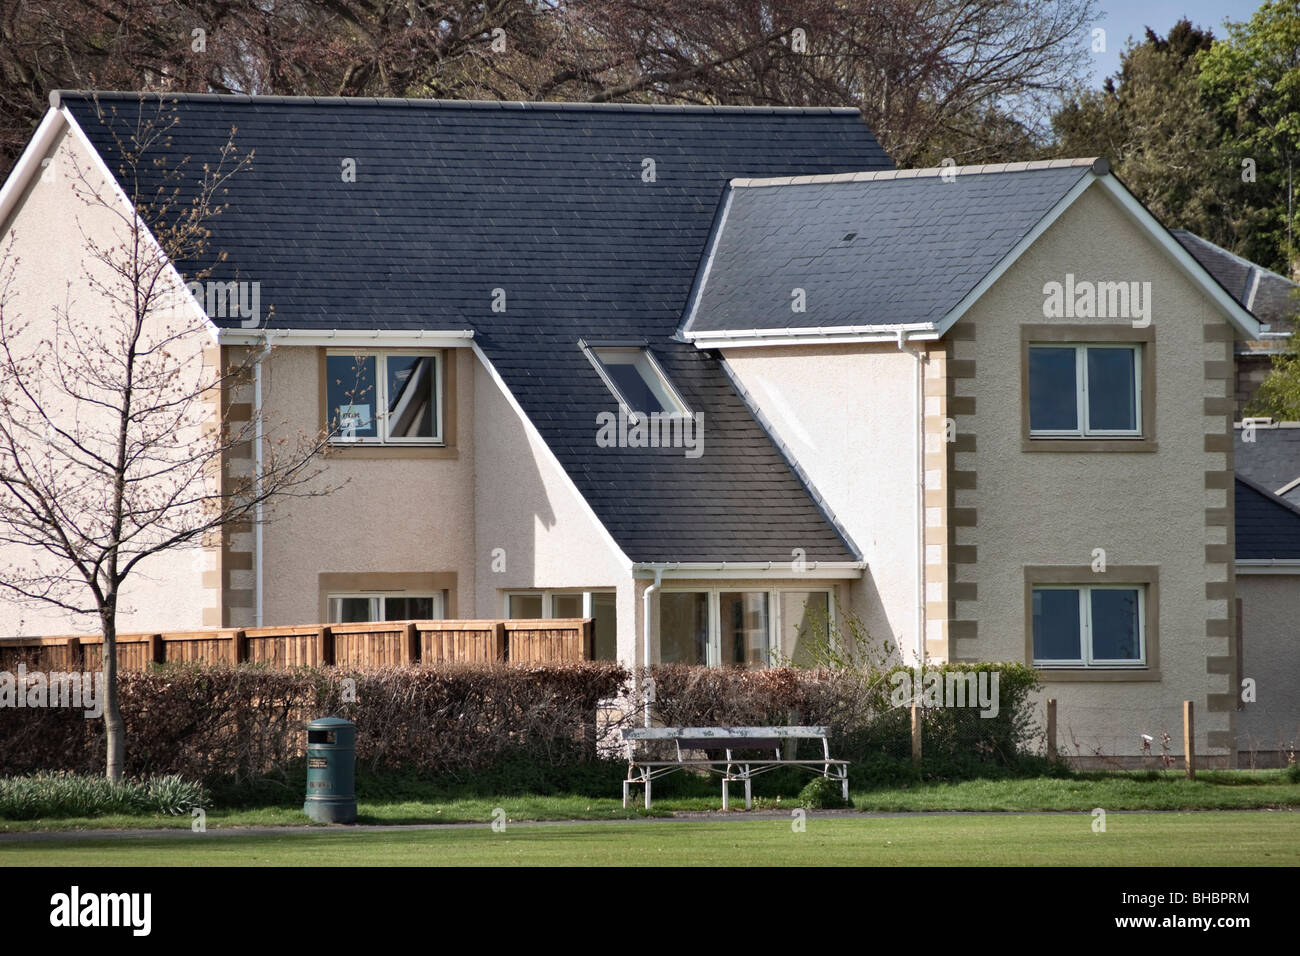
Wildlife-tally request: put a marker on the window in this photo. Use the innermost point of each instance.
(1088, 626)
(740, 627)
(1087, 388)
(386, 397)
(361, 608)
(1085, 391)
(600, 606)
(635, 378)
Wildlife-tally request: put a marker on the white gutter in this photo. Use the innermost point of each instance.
(1268, 566)
(919, 404)
(371, 338)
(257, 475)
(823, 570)
(646, 656)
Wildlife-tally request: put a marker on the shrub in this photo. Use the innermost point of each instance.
(823, 793)
(79, 795)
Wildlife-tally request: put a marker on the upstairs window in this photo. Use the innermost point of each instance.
(1085, 391)
(386, 397)
(635, 378)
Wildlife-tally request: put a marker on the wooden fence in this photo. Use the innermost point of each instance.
(376, 644)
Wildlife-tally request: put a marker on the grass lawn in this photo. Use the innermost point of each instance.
(1181, 839)
(411, 804)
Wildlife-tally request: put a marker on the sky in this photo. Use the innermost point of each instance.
(1126, 18)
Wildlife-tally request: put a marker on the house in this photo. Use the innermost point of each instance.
(705, 374)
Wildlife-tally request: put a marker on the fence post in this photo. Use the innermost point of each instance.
(238, 647)
(157, 653)
(411, 644)
(916, 735)
(1051, 728)
(1189, 740)
(75, 660)
(325, 646)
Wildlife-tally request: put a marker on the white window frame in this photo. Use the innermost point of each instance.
(1085, 627)
(1081, 391)
(775, 616)
(591, 350)
(377, 599)
(546, 595)
(381, 357)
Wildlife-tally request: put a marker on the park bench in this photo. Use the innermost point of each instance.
(738, 745)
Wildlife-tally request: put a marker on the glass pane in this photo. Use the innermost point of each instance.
(743, 615)
(805, 617)
(1056, 625)
(1053, 395)
(411, 396)
(637, 380)
(350, 610)
(525, 606)
(603, 608)
(1112, 389)
(566, 605)
(1115, 634)
(350, 391)
(683, 627)
(409, 608)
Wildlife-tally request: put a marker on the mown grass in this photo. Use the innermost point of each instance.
(1200, 839)
(406, 800)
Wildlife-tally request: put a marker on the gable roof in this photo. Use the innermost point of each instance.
(1268, 296)
(885, 252)
(547, 202)
(1266, 526)
(885, 249)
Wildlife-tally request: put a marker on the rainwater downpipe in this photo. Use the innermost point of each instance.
(919, 404)
(646, 656)
(257, 475)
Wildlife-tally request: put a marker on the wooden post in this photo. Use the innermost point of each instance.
(1051, 728)
(325, 646)
(75, 660)
(1189, 740)
(916, 735)
(157, 653)
(411, 644)
(238, 647)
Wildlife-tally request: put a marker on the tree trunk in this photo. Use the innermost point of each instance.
(114, 729)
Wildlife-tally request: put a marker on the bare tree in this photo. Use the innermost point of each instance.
(114, 421)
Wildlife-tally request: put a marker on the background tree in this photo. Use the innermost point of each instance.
(969, 79)
(113, 428)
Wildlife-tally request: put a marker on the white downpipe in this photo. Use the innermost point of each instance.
(257, 476)
(646, 656)
(918, 402)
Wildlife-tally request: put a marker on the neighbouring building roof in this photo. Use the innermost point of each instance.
(1271, 458)
(884, 248)
(1266, 295)
(1266, 525)
(550, 203)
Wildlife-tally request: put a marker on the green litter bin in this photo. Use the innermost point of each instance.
(331, 771)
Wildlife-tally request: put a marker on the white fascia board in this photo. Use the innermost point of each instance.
(1245, 323)
(703, 277)
(170, 273)
(29, 163)
(342, 338)
(754, 338)
(1268, 566)
(1007, 261)
(813, 570)
(531, 431)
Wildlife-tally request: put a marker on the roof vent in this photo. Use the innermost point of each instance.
(850, 237)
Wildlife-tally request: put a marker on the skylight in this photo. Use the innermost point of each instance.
(636, 379)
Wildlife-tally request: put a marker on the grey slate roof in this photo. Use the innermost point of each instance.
(919, 245)
(1266, 526)
(546, 201)
(1266, 295)
(1272, 459)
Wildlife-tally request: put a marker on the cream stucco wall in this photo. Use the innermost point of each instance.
(1036, 508)
(848, 414)
(45, 253)
(410, 514)
(1270, 608)
(532, 528)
